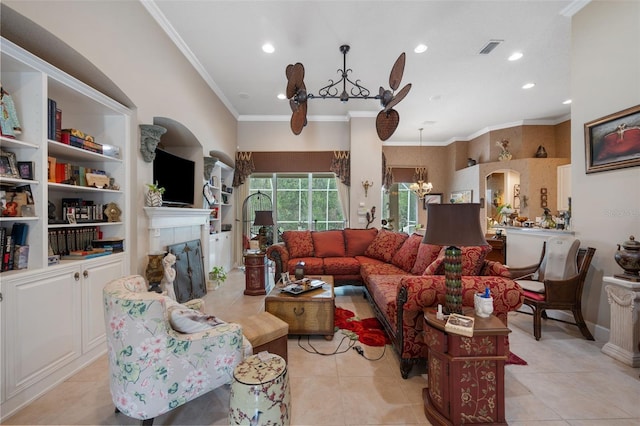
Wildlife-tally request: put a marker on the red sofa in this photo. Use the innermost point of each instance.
(401, 275)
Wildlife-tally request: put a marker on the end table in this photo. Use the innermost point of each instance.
(466, 374)
(255, 274)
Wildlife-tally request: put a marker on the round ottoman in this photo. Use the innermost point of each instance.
(260, 391)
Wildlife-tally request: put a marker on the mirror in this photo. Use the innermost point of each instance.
(400, 208)
(502, 192)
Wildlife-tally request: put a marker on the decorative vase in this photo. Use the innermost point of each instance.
(153, 199)
(504, 156)
(541, 152)
(629, 259)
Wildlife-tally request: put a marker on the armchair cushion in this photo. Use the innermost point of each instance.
(299, 243)
(385, 244)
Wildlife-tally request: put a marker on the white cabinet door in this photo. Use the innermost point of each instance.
(226, 251)
(564, 186)
(94, 277)
(42, 330)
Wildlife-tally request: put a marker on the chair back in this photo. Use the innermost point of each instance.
(560, 259)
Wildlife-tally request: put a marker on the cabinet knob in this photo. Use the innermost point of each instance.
(85, 274)
(77, 276)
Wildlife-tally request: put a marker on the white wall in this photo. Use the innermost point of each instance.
(605, 78)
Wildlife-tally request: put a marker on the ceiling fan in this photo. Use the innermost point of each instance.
(387, 119)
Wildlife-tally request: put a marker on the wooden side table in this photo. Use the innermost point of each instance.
(466, 374)
(255, 274)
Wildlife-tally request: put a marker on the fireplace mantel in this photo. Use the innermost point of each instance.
(171, 225)
(176, 217)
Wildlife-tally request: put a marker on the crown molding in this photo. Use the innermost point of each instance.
(574, 7)
(161, 19)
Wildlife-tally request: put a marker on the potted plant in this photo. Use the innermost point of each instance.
(217, 275)
(154, 195)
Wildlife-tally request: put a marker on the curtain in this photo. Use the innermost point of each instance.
(387, 174)
(341, 166)
(242, 192)
(343, 197)
(244, 168)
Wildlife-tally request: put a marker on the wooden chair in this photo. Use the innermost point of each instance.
(556, 282)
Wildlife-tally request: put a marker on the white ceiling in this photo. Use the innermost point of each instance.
(456, 92)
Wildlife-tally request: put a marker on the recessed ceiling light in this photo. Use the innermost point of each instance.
(567, 102)
(528, 85)
(243, 95)
(421, 48)
(515, 56)
(429, 122)
(268, 48)
(435, 98)
(282, 96)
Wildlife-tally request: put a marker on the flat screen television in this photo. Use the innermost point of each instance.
(176, 175)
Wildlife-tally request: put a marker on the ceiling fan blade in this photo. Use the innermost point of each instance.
(299, 119)
(295, 75)
(398, 97)
(397, 71)
(387, 123)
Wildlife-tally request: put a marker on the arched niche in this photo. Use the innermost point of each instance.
(179, 140)
(502, 187)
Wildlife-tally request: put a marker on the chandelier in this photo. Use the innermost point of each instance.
(421, 187)
(387, 119)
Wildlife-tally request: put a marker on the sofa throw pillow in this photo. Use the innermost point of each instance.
(427, 253)
(328, 243)
(472, 261)
(384, 245)
(437, 266)
(357, 240)
(299, 243)
(405, 258)
(185, 320)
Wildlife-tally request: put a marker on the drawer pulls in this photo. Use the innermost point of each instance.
(295, 311)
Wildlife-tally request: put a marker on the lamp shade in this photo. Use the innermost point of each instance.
(454, 225)
(263, 218)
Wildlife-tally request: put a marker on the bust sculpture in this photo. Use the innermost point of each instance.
(149, 140)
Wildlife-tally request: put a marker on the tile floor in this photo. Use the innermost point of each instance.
(568, 381)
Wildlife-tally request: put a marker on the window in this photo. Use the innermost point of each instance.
(401, 205)
(302, 201)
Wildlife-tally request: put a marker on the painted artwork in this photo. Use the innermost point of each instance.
(458, 197)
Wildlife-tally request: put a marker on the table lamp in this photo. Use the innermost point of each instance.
(263, 219)
(453, 226)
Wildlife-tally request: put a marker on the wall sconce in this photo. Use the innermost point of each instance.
(149, 140)
(366, 185)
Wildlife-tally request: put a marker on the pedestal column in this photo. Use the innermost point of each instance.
(624, 330)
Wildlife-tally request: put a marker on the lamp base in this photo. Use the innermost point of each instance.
(453, 280)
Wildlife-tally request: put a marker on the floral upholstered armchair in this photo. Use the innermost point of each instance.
(154, 369)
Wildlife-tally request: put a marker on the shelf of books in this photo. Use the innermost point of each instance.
(63, 172)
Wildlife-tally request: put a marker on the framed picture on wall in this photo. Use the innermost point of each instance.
(613, 142)
(461, 196)
(431, 199)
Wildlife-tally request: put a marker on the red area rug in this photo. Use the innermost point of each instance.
(515, 359)
(368, 330)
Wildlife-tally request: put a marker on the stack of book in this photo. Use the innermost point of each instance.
(79, 139)
(54, 121)
(15, 251)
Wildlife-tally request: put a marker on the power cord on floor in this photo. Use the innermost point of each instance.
(335, 352)
(360, 351)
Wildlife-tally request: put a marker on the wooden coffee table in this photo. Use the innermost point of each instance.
(310, 313)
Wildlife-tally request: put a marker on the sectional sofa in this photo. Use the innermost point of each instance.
(401, 276)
